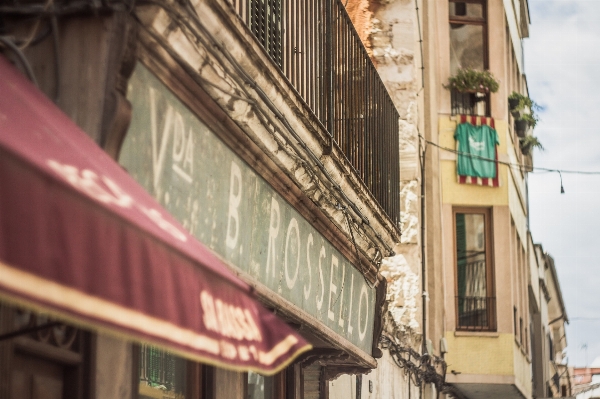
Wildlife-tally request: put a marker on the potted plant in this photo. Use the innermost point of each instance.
(469, 80)
(528, 143)
(523, 122)
(521, 127)
(519, 102)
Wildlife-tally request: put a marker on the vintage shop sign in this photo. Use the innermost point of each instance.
(230, 208)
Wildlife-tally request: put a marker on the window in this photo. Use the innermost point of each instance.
(468, 33)
(37, 362)
(468, 49)
(515, 323)
(521, 331)
(278, 386)
(261, 387)
(165, 375)
(162, 374)
(475, 300)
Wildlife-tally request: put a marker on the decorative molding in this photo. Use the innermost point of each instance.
(216, 64)
(333, 362)
(333, 372)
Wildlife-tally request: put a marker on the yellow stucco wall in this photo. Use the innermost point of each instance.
(487, 354)
(467, 194)
(481, 354)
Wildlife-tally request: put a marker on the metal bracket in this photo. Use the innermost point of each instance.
(28, 330)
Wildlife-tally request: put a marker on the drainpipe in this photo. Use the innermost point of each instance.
(423, 263)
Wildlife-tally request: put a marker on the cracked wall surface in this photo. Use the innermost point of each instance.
(402, 293)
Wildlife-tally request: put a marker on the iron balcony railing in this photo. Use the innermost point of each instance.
(315, 45)
(470, 103)
(476, 313)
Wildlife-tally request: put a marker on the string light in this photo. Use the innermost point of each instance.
(520, 167)
(562, 189)
(512, 165)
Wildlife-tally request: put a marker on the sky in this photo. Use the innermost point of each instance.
(562, 64)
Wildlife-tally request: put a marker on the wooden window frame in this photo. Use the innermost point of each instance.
(483, 22)
(516, 325)
(489, 260)
(475, 21)
(78, 362)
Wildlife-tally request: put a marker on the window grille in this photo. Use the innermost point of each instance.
(162, 370)
(475, 300)
(470, 103)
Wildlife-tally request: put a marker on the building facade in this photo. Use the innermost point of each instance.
(264, 132)
(309, 149)
(484, 315)
(552, 377)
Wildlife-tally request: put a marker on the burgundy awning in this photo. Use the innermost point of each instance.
(79, 238)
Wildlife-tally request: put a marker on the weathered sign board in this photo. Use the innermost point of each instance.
(229, 207)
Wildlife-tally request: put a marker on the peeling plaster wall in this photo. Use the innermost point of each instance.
(389, 30)
(359, 13)
(388, 381)
(272, 136)
(277, 151)
(343, 387)
(402, 294)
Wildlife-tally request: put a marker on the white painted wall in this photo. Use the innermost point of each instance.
(344, 387)
(389, 381)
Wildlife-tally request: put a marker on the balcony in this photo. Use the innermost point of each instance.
(476, 313)
(316, 48)
(470, 103)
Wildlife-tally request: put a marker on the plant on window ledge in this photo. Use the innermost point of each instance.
(528, 143)
(469, 80)
(523, 110)
(524, 121)
(518, 103)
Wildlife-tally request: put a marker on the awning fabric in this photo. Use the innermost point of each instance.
(80, 239)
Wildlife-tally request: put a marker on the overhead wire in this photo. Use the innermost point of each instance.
(33, 30)
(421, 45)
(249, 81)
(56, 45)
(584, 318)
(200, 33)
(510, 164)
(67, 8)
(10, 44)
(32, 38)
(420, 368)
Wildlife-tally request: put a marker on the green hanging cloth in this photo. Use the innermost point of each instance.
(475, 143)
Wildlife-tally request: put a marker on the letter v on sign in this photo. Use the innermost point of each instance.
(158, 160)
